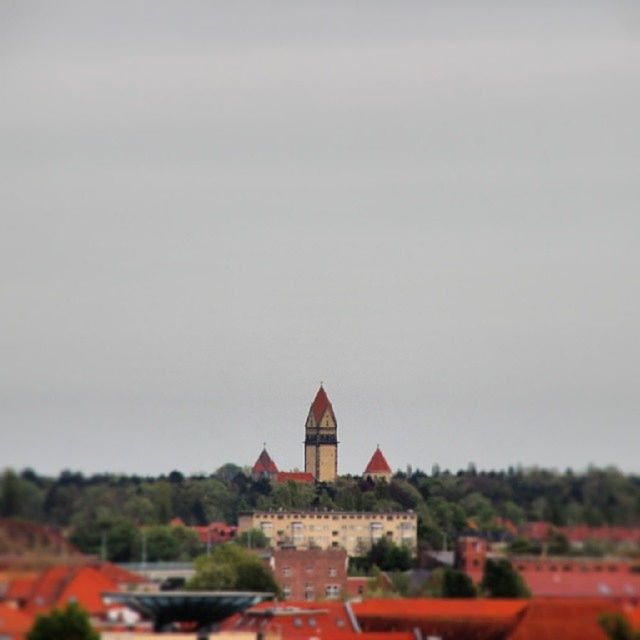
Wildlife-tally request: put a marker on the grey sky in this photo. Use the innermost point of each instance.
(207, 208)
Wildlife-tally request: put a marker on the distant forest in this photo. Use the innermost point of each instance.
(89, 508)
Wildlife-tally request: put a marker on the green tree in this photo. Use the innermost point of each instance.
(71, 623)
(229, 567)
(456, 584)
(253, 539)
(617, 627)
(118, 536)
(501, 580)
(388, 556)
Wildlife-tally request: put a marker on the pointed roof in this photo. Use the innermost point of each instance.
(264, 464)
(320, 405)
(378, 463)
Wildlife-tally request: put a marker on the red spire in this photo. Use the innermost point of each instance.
(264, 464)
(320, 404)
(378, 463)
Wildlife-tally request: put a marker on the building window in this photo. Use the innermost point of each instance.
(332, 591)
(309, 593)
(298, 532)
(286, 592)
(286, 572)
(333, 572)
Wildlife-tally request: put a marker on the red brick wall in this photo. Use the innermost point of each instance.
(310, 574)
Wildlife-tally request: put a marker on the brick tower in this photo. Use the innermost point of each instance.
(321, 440)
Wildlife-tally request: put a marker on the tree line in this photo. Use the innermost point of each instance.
(128, 514)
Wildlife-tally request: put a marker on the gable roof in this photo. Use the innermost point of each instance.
(62, 584)
(320, 405)
(264, 464)
(378, 463)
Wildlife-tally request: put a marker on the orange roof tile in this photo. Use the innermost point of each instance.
(119, 575)
(20, 588)
(86, 588)
(433, 608)
(13, 623)
(378, 463)
(62, 584)
(567, 618)
(295, 476)
(264, 464)
(320, 405)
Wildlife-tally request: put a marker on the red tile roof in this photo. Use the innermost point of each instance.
(582, 533)
(62, 584)
(86, 588)
(14, 623)
(216, 532)
(295, 476)
(320, 405)
(567, 619)
(19, 589)
(603, 583)
(264, 464)
(444, 618)
(433, 608)
(119, 575)
(633, 614)
(378, 463)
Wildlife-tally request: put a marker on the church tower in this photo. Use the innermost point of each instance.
(321, 440)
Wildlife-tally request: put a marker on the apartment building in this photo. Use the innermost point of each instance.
(353, 531)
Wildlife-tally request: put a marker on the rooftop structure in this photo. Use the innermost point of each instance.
(264, 468)
(321, 439)
(378, 467)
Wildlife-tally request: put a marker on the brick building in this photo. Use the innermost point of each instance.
(310, 574)
(559, 576)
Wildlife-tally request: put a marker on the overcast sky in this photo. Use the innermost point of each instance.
(207, 208)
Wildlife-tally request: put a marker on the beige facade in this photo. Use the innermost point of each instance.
(321, 440)
(353, 531)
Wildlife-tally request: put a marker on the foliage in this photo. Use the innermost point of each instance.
(456, 584)
(446, 503)
(400, 583)
(501, 580)
(253, 539)
(386, 556)
(171, 543)
(113, 536)
(229, 567)
(71, 623)
(617, 627)
(445, 582)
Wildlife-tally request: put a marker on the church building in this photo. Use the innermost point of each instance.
(321, 440)
(378, 467)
